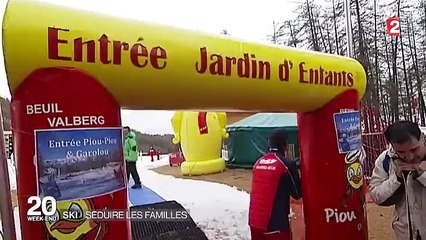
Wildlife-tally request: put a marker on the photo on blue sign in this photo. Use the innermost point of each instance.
(348, 130)
(79, 163)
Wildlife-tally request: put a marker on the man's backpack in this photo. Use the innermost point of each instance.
(386, 163)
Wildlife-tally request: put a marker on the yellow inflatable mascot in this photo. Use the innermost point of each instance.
(200, 135)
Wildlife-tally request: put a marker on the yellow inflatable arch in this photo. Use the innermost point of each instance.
(195, 71)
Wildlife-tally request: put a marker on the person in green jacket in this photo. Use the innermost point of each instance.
(131, 156)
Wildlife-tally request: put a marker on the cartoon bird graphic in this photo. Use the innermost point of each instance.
(354, 175)
(200, 135)
(70, 222)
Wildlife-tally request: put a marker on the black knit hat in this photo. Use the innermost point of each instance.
(278, 139)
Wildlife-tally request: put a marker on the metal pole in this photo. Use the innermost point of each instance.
(6, 209)
(349, 38)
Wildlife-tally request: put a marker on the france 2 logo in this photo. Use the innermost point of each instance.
(393, 26)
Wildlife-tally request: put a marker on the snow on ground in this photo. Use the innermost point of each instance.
(12, 174)
(219, 210)
(147, 164)
(17, 223)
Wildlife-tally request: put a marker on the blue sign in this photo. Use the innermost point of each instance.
(79, 163)
(348, 130)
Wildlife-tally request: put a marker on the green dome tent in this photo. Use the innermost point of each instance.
(248, 138)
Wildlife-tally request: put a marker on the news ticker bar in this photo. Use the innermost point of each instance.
(115, 215)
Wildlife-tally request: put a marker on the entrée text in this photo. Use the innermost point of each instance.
(107, 51)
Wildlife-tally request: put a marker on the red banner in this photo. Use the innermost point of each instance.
(332, 182)
(63, 98)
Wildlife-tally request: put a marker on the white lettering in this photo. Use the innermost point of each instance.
(97, 152)
(347, 110)
(265, 167)
(328, 214)
(30, 109)
(64, 143)
(47, 204)
(35, 218)
(267, 161)
(350, 120)
(109, 140)
(339, 217)
(91, 141)
(43, 108)
(76, 121)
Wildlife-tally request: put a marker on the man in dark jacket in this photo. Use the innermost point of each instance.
(275, 179)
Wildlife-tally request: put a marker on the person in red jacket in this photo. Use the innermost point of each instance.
(152, 153)
(158, 154)
(275, 179)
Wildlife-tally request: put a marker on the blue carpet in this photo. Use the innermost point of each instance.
(143, 195)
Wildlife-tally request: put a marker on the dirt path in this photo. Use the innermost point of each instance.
(378, 217)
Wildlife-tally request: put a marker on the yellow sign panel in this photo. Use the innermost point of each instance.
(148, 66)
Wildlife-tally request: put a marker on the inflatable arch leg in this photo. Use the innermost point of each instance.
(65, 98)
(334, 203)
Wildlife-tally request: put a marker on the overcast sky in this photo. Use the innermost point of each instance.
(243, 19)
